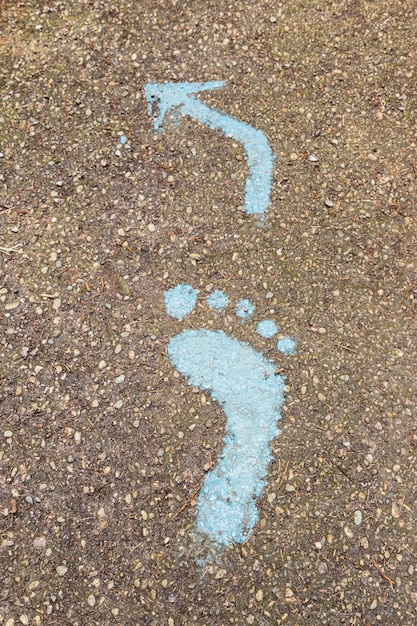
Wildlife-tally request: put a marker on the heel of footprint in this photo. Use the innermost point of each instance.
(251, 393)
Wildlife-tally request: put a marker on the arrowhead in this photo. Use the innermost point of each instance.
(173, 95)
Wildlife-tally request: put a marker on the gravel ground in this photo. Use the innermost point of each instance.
(103, 446)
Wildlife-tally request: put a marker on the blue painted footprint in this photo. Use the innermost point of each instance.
(246, 386)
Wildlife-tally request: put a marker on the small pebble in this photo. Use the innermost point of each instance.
(395, 510)
(61, 570)
(120, 379)
(12, 305)
(91, 600)
(357, 516)
(39, 542)
(259, 595)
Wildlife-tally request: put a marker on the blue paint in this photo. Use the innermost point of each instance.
(180, 300)
(244, 309)
(217, 300)
(286, 345)
(251, 393)
(123, 139)
(244, 383)
(267, 329)
(180, 97)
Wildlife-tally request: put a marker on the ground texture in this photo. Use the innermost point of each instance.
(103, 446)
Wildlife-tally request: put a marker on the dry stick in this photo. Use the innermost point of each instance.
(188, 500)
(283, 475)
(8, 250)
(353, 563)
(339, 468)
(382, 573)
(408, 294)
(339, 345)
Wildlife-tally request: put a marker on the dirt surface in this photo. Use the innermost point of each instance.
(103, 446)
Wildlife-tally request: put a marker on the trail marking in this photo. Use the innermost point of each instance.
(180, 97)
(250, 391)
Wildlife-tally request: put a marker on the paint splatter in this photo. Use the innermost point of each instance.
(217, 300)
(246, 386)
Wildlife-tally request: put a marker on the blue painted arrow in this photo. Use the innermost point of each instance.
(260, 157)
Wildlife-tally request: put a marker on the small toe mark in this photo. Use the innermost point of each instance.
(180, 301)
(286, 345)
(217, 300)
(244, 309)
(267, 329)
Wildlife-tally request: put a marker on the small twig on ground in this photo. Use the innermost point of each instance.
(339, 345)
(382, 573)
(282, 476)
(408, 294)
(188, 500)
(353, 563)
(9, 250)
(332, 463)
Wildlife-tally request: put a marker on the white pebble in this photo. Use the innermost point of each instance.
(357, 516)
(348, 532)
(39, 542)
(61, 570)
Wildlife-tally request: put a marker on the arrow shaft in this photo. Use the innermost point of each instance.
(259, 154)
